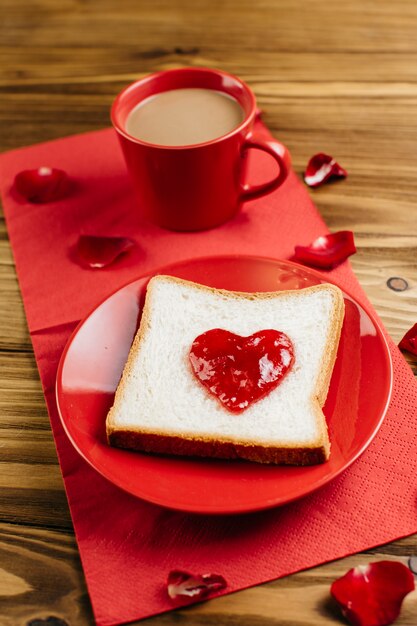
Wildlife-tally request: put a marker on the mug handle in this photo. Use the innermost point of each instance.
(281, 156)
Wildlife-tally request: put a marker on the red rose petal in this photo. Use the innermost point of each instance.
(44, 184)
(371, 595)
(98, 252)
(185, 587)
(320, 168)
(409, 341)
(327, 251)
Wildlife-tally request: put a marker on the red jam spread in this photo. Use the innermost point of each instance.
(241, 370)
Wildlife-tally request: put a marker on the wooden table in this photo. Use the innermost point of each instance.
(339, 78)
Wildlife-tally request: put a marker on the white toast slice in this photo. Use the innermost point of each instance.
(161, 407)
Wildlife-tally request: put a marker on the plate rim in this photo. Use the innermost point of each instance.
(204, 510)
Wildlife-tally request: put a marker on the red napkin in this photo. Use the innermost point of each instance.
(128, 546)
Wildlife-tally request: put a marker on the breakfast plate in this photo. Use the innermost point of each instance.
(93, 360)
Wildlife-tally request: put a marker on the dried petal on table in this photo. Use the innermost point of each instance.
(327, 251)
(96, 252)
(409, 341)
(371, 595)
(186, 588)
(44, 184)
(321, 168)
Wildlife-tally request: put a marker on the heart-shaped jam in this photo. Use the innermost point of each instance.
(241, 370)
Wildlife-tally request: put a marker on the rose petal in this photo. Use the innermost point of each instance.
(327, 251)
(320, 168)
(44, 184)
(409, 341)
(371, 595)
(186, 587)
(98, 252)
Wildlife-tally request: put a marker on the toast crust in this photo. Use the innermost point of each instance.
(190, 445)
(162, 443)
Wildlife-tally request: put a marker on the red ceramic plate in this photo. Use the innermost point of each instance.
(93, 360)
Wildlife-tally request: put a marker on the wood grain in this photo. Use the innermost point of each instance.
(337, 79)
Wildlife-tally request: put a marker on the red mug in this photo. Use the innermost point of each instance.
(197, 186)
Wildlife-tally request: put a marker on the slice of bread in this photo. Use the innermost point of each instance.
(161, 407)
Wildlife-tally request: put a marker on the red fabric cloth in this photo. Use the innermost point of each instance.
(127, 546)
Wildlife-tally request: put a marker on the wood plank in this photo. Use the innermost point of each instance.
(348, 26)
(40, 576)
(91, 69)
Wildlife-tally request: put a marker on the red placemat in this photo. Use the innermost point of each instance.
(127, 546)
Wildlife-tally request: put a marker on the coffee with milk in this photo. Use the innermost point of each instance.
(182, 117)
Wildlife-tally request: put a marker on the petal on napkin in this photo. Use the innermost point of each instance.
(97, 252)
(185, 587)
(44, 184)
(320, 168)
(409, 341)
(371, 595)
(327, 251)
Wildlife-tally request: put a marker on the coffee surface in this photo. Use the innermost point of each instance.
(181, 117)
